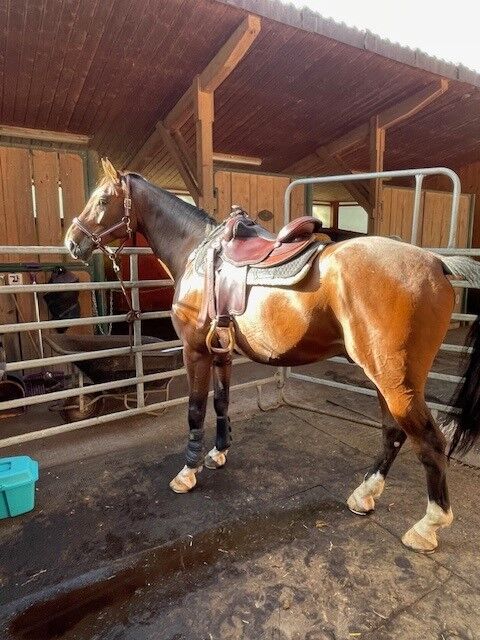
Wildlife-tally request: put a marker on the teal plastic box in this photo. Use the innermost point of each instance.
(18, 476)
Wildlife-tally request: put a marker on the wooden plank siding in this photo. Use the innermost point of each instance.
(17, 226)
(435, 209)
(256, 193)
(47, 204)
(72, 181)
(29, 220)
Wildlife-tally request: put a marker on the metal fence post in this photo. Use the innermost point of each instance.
(416, 207)
(137, 329)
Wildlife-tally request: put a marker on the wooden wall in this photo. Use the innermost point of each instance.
(256, 192)
(434, 216)
(434, 226)
(40, 192)
(470, 178)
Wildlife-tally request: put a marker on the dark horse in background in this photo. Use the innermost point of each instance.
(385, 304)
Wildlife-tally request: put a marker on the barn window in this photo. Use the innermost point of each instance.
(186, 198)
(323, 211)
(352, 217)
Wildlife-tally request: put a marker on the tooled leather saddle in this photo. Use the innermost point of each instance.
(241, 252)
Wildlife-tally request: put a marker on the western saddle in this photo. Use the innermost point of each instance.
(243, 245)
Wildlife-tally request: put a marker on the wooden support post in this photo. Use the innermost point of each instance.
(308, 199)
(203, 105)
(335, 207)
(377, 151)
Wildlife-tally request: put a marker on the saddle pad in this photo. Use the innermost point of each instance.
(285, 274)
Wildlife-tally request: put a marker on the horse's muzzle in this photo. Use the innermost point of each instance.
(73, 248)
(80, 250)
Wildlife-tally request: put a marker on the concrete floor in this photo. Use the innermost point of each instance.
(264, 549)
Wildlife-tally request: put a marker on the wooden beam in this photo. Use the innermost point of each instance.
(212, 76)
(218, 69)
(204, 146)
(232, 158)
(390, 117)
(377, 152)
(42, 134)
(356, 190)
(231, 53)
(180, 163)
(187, 154)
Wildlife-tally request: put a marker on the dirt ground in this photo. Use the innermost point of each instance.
(263, 549)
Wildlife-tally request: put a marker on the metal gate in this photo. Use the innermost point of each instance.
(419, 175)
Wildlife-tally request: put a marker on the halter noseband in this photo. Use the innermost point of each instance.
(126, 221)
(112, 254)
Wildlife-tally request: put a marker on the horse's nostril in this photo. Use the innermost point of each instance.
(72, 246)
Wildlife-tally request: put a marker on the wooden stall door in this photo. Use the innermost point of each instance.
(436, 227)
(40, 192)
(17, 226)
(255, 193)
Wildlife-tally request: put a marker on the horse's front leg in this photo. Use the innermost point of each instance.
(222, 369)
(198, 367)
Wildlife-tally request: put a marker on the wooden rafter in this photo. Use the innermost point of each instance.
(198, 101)
(180, 162)
(213, 75)
(355, 189)
(217, 70)
(389, 118)
(377, 152)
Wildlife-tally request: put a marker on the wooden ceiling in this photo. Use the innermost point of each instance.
(112, 69)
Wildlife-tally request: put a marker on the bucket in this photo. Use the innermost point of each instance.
(18, 476)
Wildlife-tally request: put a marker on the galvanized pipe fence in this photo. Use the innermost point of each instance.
(139, 379)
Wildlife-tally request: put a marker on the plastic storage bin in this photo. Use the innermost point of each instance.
(17, 485)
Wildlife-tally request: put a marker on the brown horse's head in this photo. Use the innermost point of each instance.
(102, 219)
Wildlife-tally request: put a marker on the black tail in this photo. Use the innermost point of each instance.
(467, 398)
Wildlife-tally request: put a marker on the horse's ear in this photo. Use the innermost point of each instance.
(109, 170)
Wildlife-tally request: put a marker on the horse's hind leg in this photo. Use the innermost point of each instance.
(222, 369)
(362, 500)
(411, 412)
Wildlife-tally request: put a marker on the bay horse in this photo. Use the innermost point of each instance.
(383, 303)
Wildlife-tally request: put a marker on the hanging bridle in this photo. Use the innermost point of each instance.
(113, 254)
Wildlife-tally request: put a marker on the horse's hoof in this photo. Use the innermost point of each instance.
(185, 481)
(215, 459)
(362, 506)
(413, 540)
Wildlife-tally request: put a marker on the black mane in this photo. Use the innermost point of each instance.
(188, 213)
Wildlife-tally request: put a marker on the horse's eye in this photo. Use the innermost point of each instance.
(102, 202)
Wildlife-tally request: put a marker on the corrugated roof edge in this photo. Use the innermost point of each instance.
(309, 20)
